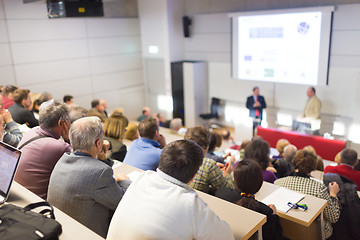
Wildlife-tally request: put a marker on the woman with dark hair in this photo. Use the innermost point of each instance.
(248, 179)
(259, 150)
(304, 163)
(210, 153)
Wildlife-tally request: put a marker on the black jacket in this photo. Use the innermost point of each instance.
(272, 229)
(348, 225)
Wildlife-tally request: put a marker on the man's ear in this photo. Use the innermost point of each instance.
(97, 143)
(156, 136)
(60, 123)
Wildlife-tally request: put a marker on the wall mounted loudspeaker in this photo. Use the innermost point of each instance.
(186, 26)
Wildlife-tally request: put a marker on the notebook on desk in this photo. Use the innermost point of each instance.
(9, 160)
(281, 197)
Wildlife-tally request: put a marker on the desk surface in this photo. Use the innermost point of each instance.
(72, 229)
(243, 222)
(305, 218)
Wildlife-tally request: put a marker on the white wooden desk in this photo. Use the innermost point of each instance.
(72, 229)
(242, 221)
(298, 224)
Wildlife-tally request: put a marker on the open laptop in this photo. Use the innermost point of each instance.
(9, 160)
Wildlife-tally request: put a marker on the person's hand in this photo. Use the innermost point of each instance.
(104, 149)
(161, 140)
(257, 104)
(226, 169)
(65, 129)
(334, 189)
(6, 115)
(120, 177)
(226, 155)
(272, 206)
(271, 169)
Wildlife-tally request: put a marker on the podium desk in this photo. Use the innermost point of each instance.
(298, 224)
(243, 222)
(71, 229)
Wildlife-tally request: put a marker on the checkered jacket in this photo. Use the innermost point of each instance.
(209, 174)
(317, 189)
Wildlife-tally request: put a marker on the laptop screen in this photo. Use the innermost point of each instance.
(9, 159)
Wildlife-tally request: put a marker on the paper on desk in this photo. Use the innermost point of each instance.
(117, 164)
(134, 175)
(281, 197)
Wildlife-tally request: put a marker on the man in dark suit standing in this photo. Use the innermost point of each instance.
(255, 103)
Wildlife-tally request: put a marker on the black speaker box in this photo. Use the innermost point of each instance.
(186, 26)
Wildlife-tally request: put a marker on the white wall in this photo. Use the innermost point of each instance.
(86, 57)
(210, 41)
(161, 26)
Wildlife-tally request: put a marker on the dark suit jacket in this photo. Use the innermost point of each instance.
(84, 188)
(250, 105)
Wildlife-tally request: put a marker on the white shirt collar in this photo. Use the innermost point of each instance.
(173, 180)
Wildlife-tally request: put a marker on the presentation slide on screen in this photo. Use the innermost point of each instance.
(279, 47)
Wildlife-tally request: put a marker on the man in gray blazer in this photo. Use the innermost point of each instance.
(83, 186)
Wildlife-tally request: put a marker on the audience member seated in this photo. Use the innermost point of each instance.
(319, 161)
(76, 113)
(259, 150)
(337, 158)
(177, 127)
(162, 121)
(19, 110)
(132, 132)
(144, 153)
(69, 100)
(161, 205)
(97, 110)
(103, 103)
(228, 140)
(284, 166)
(8, 98)
(118, 110)
(248, 180)
(35, 108)
(304, 162)
(44, 97)
(210, 153)
(346, 168)
(209, 174)
(146, 113)
(243, 147)
(83, 186)
(11, 133)
(280, 145)
(114, 131)
(357, 165)
(41, 147)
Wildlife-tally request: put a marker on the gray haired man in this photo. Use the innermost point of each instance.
(82, 185)
(41, 147)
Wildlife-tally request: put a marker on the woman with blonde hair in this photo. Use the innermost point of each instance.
(132, 132)
(114, 132)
